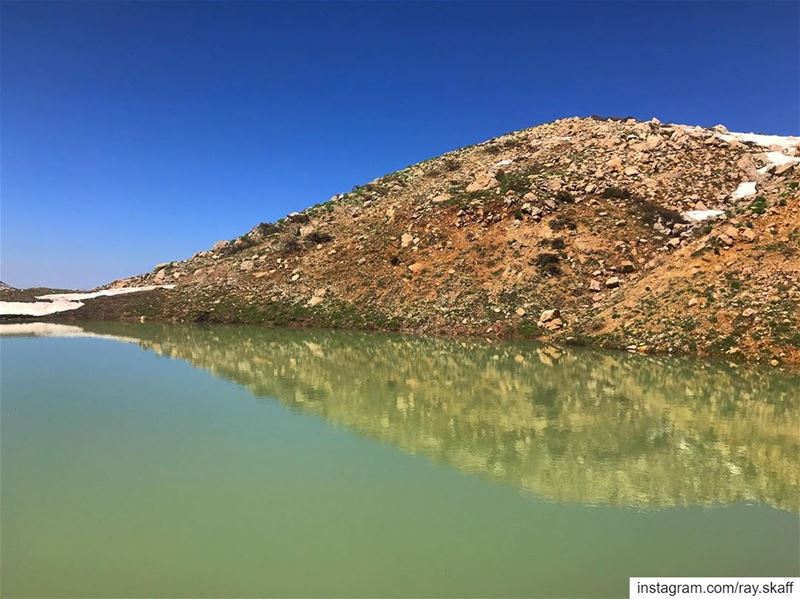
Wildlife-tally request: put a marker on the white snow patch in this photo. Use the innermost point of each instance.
(76, 297)
(785, 141)
(37, 308)
(748, 188)
(49, 329)
(776, 159)
(61, 302)
(700, 215)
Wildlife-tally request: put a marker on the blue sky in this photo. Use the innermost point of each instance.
(136, 133)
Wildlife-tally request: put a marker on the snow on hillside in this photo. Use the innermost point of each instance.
(53, 303)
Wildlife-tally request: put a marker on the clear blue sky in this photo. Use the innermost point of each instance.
(136, 133)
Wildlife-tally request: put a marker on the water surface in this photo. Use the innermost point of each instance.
(194, 461)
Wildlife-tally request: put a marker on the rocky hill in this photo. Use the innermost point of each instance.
(612, 232)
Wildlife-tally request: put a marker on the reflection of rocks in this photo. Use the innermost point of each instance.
(572, 426)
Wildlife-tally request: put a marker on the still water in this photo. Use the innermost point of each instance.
(186, 461)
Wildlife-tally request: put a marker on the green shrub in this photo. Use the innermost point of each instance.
(317, 237)
(562, 222)
(565, 197)
(759, 205)
(548, 263)
(616, 192)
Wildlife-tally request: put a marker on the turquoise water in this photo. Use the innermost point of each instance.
(182, 461)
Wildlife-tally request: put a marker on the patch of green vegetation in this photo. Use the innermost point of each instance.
(548, 263)
(513, 181)
(759, 205)
(464, 198)
(650, 212)
(565, 197)
(267, 229)
(560, 223)
(317, 237)
(619, 193)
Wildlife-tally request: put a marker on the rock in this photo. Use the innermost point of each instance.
(247, 265)
(595, 285)
(590, 188)
(295, 277)
(520, 311)
(482, 182)
(748, 312)
(160, 275)
(417, 267)
(693, 302)
(552, 325)
(549, 315)
(442, 197)
(731, 231)
(220, 245)
(674, 242)
(612, 283)
(748, 165)
(615, 163)
(653, 141)
(784, 169)
(747, 235)
(627, 267)
(631, 171)
(314, 301)
(405, 240)
(297, 217)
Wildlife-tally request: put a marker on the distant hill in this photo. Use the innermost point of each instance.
(611, 232)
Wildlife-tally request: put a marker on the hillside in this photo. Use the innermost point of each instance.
(617, 233)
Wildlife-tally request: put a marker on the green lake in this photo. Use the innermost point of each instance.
(194, 461)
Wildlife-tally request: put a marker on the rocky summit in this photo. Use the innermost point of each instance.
(618, 233)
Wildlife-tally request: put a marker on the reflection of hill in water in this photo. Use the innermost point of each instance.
(572, 426)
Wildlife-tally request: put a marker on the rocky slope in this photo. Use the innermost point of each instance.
(619, 233)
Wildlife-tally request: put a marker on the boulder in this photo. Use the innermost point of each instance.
(482, 182)
(549, 315)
